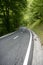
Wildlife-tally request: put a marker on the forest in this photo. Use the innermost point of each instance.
(16, 13)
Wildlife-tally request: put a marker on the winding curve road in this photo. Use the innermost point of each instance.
(14, 48)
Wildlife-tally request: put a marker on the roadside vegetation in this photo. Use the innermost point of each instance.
(39, 31)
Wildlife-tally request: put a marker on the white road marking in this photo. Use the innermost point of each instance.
(28, 51)
(16, 37)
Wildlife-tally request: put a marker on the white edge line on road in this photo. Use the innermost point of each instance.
(7, 35)
(16, 37)
(28, 51)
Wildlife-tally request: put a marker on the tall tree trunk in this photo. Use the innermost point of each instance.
(7, 16)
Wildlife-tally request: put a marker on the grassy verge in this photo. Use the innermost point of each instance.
(39, 31)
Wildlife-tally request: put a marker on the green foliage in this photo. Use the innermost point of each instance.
(39, 31)
(14, 13)
(36, 9)
(11, 14)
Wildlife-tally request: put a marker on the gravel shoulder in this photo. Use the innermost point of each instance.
(37, 53)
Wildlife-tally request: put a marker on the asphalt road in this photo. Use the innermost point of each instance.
(13, 48)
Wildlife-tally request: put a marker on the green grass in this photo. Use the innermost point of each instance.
(39, 31)
(33, 24)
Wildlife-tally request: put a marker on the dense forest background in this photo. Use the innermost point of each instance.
(16, 13)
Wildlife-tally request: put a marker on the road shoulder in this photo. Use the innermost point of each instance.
(37, 53)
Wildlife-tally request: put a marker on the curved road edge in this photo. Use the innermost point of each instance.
(29, 53)
(9, 34)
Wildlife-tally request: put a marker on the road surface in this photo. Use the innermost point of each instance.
(13, 48)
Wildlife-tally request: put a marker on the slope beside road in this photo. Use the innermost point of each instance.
(37, 53)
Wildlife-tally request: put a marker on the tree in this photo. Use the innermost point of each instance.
(10, 11)
(5, 11)
(17, 7)
(36, 9)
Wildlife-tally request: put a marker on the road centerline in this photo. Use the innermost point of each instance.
(15, 37)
